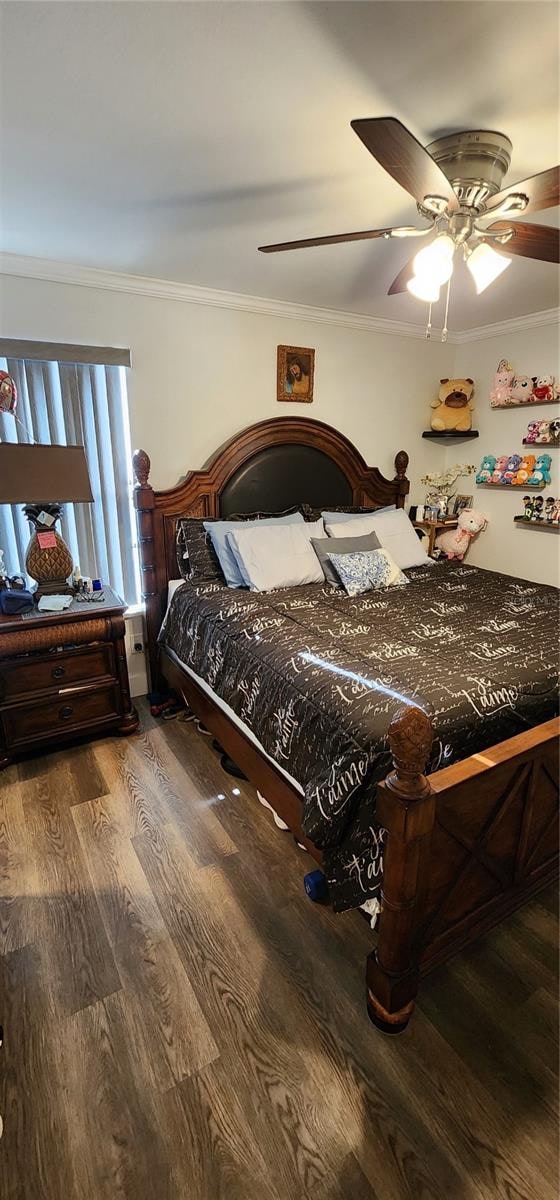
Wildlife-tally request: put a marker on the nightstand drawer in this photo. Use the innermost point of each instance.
(21, 677)
(69, 711)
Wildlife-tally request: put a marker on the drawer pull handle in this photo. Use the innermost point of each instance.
(65, 712)
(58, 672)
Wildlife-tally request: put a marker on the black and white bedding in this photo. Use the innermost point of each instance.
(317, 676)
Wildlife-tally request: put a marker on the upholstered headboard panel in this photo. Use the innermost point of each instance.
(281, 476)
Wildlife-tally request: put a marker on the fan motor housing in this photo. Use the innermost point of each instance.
(475, 162)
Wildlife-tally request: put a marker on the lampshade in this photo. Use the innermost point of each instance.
(43, 474)
(424, 289)
(435, 262)
(485, 265)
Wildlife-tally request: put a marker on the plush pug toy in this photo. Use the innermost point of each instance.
(526, 468)
(522, 390)
(453, 407)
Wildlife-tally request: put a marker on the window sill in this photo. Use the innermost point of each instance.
(135, 610)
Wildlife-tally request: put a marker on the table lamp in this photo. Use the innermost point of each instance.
(32, 476)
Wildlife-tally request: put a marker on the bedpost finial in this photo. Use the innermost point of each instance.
(141, 464)
(401, 463)
(410, 738)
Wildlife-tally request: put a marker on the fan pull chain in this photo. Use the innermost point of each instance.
(444, 330)
(429, 325)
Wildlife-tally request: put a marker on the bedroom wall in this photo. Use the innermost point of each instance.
(202, 373)
(529, 553)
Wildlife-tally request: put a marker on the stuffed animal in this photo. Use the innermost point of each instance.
(453, 407)
(528, 507)
(545, 436)
(538, 509)
(512, 467)
(521, 391)
(501, 386)
(532, 433)
(555, 431)
(486, 468)
(526, 468)
(541, 472)
(543, 388)
(455, 542)
(549, 508)
(499, 469)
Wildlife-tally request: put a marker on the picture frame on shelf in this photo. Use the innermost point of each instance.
(462, 502)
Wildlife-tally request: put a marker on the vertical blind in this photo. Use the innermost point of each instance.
(78, 404)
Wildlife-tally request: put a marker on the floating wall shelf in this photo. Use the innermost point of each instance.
(514, 487)
(526, 442)
(555, 528)
(527, 404)
(450, 435)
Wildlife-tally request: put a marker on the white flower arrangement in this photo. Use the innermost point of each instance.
(446, 479)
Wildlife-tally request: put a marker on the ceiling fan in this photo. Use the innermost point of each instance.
(456, 183)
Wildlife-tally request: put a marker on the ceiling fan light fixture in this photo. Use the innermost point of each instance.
(435, 262)
(485, 265)
(424, 288)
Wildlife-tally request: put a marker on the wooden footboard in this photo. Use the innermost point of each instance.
(466, 846)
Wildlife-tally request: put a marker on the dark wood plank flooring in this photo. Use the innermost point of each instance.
(182, 1024)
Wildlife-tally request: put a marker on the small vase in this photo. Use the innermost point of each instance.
(51, 565)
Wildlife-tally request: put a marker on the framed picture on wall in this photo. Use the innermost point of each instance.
(461, 502)
(295, 367)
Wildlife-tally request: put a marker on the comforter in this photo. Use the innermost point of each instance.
(318, 676)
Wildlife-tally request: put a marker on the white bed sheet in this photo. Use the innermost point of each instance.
(233, 717)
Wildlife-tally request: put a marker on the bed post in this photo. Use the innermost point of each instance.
(406, 809)
(144, 504)
(403, 485)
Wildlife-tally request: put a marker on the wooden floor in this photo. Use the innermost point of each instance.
(182, 1024)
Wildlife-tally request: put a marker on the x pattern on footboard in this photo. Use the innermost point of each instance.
(495, 837)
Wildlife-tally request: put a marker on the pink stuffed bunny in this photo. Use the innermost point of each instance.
(500, 393)
(455, 542)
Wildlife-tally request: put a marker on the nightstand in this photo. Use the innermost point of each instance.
(432, 528)
(63, 675)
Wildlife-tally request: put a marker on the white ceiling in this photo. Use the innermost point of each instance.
(171, 139)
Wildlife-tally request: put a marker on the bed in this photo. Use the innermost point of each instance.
(368, 705)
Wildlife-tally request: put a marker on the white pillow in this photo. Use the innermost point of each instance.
(218, 531)
(334, 518)
(395, 532)
(278, 556)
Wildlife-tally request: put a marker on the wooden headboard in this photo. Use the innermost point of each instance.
(266, 467)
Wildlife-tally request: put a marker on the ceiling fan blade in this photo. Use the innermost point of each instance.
(403, 157)
(542, 191)
(401, 280)
(530, 241)
(362, 236)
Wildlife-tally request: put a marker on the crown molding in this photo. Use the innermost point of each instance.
(548, 316)
(186, 293)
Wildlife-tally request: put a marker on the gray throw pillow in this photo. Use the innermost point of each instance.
(324, 547)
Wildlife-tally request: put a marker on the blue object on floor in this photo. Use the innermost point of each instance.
(316, 886)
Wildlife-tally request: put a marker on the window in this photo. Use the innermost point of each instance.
(78, 404)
